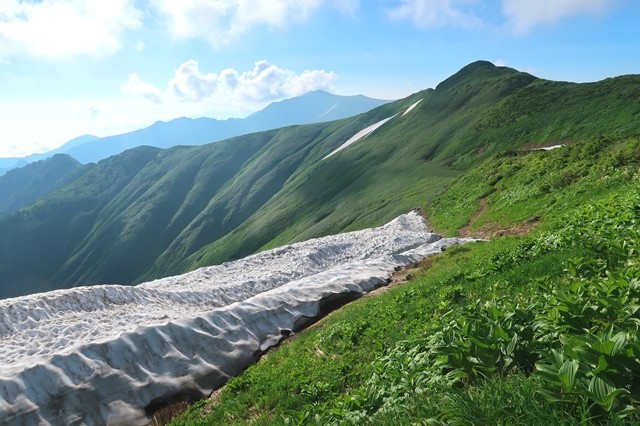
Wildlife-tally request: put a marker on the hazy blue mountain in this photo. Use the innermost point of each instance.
(311, 107)
(151, 212)
(9, 163)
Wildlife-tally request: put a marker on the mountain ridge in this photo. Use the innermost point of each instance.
(149, 213)
(305, 109)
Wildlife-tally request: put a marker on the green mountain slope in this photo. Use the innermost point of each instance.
(21, 187)
(529, 329)
(37, 240)
(148, 212)
(312, 107)
(405, 162)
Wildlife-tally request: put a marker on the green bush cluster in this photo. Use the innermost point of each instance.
(576, 339)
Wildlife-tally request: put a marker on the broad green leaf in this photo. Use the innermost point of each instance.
(605, 347)
(512, 344)
(567, 373)
(602, 365)
(610, 399)
(587, 355)
(620, 340)
(550, 395)
(600, 389)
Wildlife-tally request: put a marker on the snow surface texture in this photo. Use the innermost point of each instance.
(367, 131)
(102, 354)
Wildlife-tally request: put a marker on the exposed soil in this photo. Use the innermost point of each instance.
(465, 231)
(492, 230)
(164, 415)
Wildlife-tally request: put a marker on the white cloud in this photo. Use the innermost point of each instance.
(523, 15)
(347, 7)
(236, 94)
(191, 92)
(189, 84)
(60, 29)
(437, 13)
(222, 21)
(136, 87)
(500, 63)
(265, 82)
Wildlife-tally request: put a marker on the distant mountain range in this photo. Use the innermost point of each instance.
(312, 107)
(151, 212)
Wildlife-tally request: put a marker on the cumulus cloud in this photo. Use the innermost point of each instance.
(222, 21)
(265, 82)
(138, 88)
(437, 13)
(523, 15)
(60, 29)
(190, 84)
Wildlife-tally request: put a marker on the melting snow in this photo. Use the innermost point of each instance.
(549, 148)
(329, 110)
(410, 108)
(367, 131)
(101, 354)
(360, 135)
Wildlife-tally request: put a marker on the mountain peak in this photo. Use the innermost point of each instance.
(317, 92)
(313, 107)
(478, 71)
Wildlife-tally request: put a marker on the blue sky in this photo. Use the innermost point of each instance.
(72, 67)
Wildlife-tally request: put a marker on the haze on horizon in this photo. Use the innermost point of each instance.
(72, 67)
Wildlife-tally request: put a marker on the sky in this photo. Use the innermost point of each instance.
(103, 67)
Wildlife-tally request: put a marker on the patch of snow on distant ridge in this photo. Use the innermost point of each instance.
(329, 110)
(360, 135)
(101, 354)
(549, 148)
(367, 130)
(410, 108)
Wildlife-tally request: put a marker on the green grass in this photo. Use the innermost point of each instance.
(313, 371)
(509, 331)
(521, 185)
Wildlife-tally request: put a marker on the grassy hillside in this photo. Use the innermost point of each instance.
(148, 213)
(36, 240)
(21, 187)
(538, 328)
(408, 160)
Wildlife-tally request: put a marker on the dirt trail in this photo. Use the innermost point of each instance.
(491, 230)
(465, 231)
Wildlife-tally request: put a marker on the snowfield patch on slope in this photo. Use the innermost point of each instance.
(329, 110)
(362, 134)
(102, 354)
(411, 108)
(549, 148)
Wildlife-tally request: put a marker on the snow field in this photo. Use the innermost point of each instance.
(102, 354)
